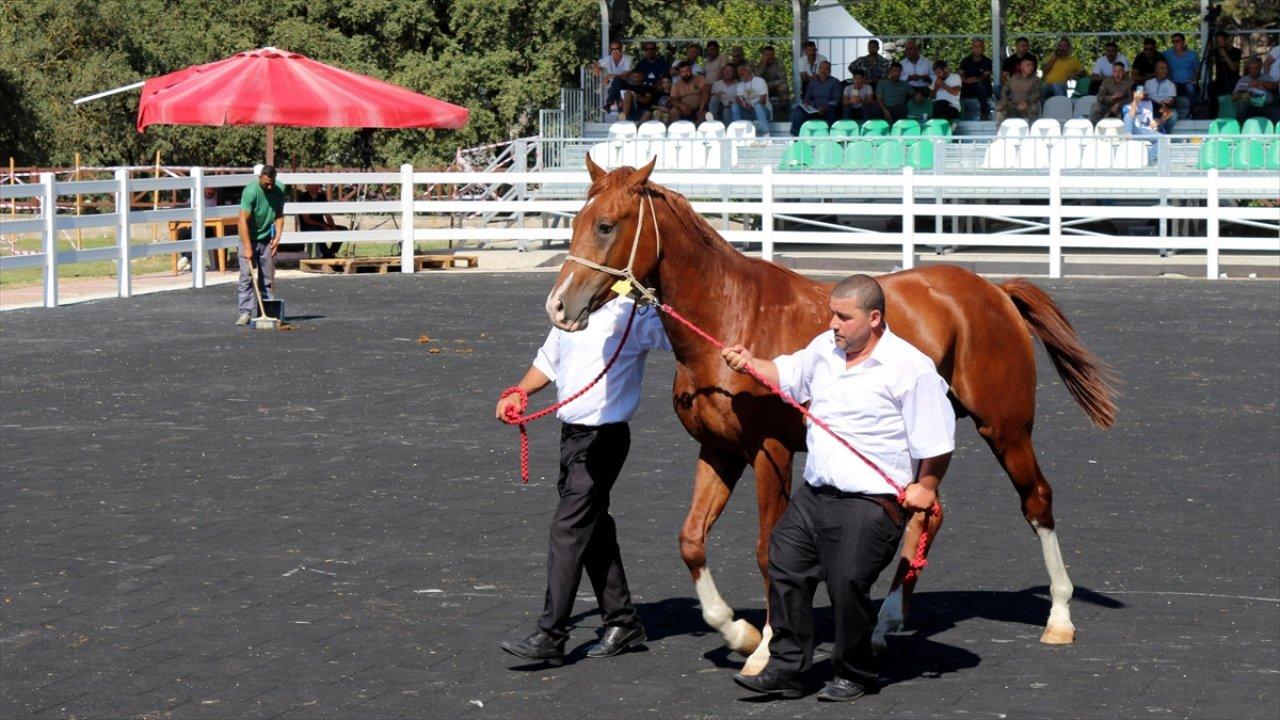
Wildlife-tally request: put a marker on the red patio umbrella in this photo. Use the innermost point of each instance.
(276, 87)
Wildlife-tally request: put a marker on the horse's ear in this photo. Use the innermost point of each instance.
(595, 170)
(641, 176)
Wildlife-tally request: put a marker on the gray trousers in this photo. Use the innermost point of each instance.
(266, 264)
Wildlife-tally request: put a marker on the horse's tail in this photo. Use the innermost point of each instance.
(1087, 378)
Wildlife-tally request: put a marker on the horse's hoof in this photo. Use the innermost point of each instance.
(742, 637)
(1058, 635)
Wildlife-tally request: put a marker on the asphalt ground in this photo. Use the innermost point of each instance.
(203, 521)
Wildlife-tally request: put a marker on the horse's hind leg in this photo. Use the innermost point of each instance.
(1018, 457)
(773, 485)
(896, 605)
(713, 482)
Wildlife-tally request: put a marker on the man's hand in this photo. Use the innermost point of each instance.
(919, 498)
(512, 400)
(736, 357)
(275, 243)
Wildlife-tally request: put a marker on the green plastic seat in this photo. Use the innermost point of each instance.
(1226, 107)
(815, 128)
(1082, 87)
(920, 155)
(798, 156)
(1224, 126)
(829, 155)
(1249, 155)
(859, 155)
(1272, 159)
(937, 126)
(875, 128)
(1215, 154)
(844, 128)
(1257, 126)
(905, 127)
(891, 155)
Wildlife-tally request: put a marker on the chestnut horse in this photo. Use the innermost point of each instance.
(978, 334)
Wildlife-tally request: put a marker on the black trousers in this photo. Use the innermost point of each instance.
(845, 541)
(583, 534)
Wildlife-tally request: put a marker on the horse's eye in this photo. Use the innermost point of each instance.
(604, 228)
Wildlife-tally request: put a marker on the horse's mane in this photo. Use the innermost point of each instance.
(694, 224)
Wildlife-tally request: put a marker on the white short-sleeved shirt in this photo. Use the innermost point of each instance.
(1103, 65)
(615, 68)
(921, 66)
(864, 94)
(573, 359)
(726, 93)
(756, 90)
(892, 407)
(1160, 90)
(810, 67)
(952, 81)
(1274, 71)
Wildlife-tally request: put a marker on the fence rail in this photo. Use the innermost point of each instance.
(771, 209)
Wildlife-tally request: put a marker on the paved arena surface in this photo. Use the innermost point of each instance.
(198, 520)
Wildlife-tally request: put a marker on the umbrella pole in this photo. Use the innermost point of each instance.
(271, 144)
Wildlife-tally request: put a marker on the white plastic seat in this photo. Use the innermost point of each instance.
(1057, 108)
(622, 130)
(1002, 154)
(678, 152)
(1130, 155)
(1109, 127)
(1098, 154)
(651, 129)
(1077, 126)
(682, 129)
(602, 154)
(740, 130)
(711, 129)
(1045, 126)
(1083, 107)
(1015, 127)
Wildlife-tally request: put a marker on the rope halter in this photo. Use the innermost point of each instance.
(627, 280)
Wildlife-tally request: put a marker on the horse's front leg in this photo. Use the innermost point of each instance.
(896, 605)
(772, 468)
(713, 482)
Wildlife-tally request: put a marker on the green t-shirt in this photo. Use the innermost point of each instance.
(918, 111)
(893, 94)
(263, 206)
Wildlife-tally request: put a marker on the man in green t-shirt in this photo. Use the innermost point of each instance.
(261, 224)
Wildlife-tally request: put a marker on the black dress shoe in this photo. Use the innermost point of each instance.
(538, 646)
(617, 640)
(771, 683)
(841, 690)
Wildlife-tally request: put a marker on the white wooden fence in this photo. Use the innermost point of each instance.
(822, 204)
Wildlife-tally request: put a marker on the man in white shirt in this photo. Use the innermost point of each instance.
(808, 62)
(594, 442)
(751, 100)
(1163, 94)
(1102, 67)
(724, 94)
(612, 69)
(885, 398)
(946, 92)
(916, 68)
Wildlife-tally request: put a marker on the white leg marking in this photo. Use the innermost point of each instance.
(1059, 629)
(738, 634)
(759, 658)
(890, 620)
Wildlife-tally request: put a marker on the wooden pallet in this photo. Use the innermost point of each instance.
(384, 265)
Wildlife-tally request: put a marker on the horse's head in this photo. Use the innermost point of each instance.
(605, 245)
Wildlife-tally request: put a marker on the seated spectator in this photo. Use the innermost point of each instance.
(184, 262)
(319, 222)
(874, 66)
(808, 63)
(724, 94)
(661, 108)
(1226, 66)
(975, 78)
(776, 77)
(1110, 56)
(691, 53)
(1113, 94)
(1163, 94)
(637, 98)
(916, 68)
(1013, 64)
(1020, 95)
(736, 56)
(1184, 67)
(821, 99)
(1140, 119)
(1254, 94)
(859, 102)
(714, 61)
(690, 94)
(892, 94)
(612, 69)
(1060, 68)
(1271, 64)
(919, 107)
(751, 102)
(1144, 64)
(652, 67)
(946, 92)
